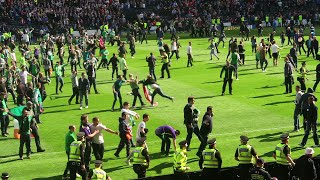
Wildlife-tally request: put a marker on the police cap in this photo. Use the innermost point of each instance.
(97, 162)
(80, 134)
(183, 143)
(260, 161)
(244, 138)
(284, 136)
(212, 141)
(5, 175)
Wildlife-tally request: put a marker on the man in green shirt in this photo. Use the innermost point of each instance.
(4, 115)
(24, 129)
(59, 79)
(104, 60)
(235, 59)
(135, 90)
(116, 91)
(70, 137)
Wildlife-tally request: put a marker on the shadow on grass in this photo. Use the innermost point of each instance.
(207, 97)
(60, 105)
(7, 156)
(267, 87)
(279, 102)
(108, 170)
(297, 149)
(267, 95)
(212, 82)
(56, 96)
(61, 111)
(49, 178)
(267, 154)
(5, 139)
(158, 168)
(8, 161)
(271, 137)
(274, 73)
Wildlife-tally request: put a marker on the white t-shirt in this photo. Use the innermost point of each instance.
(274, 48)
(174, 46)
(98, 138)
(189, 50)
(142, 124)
(23, 77)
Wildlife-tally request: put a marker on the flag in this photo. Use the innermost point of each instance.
(147, 90)
(17, 110)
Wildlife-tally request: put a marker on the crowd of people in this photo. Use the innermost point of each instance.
(40, 62)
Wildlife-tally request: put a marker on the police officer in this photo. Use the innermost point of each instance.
(258, 172)
(245, 154)
(282, 155)
(97, 172)
(5, 176)
(141, 159)
(210, 162)
(180, 161)
(76, 159)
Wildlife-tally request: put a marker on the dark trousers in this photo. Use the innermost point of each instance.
(85, 94)
(310, 50)
(92, 81)
(59, 79)
(288, 84)
(136, 94)
(265, 61)
(9, 90)
(296, 114)
(242, 58)
(151, 72)
(4, 124)
(20, 100)
(316, 84)
(165, 66)
(36, 136)
(24, 139)
(203, 144)
(190, 60)
(209, 173)
(75, 167)
(140, 170)
(244, 171)
(124, 74)
(103, 62)
(123, 142)
(87, 155)
(283, 172)
(73, 66)
(47, 73)
(144, 38)
(310, 126)
(225, 81)
(165, 145)
(190, 131)
(174, 52)
(75, 93)
(115, 69)
(302, 82)
(117, 95)
(299, 48)
(180, 175)
(98, 150)
(158, 91)
(67, 167)
(316, 49)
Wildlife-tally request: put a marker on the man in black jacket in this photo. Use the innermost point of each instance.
(83, 89)
(92, 73)
(189, 121)
(288, 71)
(151, 64)
(311, 122)
(303, 103)
(305, 167)
(228, 77)
(315, 45)
(114, 62)
(317, 77)
(123, 132)
(206, 129)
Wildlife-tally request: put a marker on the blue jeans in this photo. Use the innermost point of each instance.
(59, 79)
(310, 126)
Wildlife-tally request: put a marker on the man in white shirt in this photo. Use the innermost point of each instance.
(142, 130)
(24, 75)
(297, 109)
(97, 140)
(189, 53)
(275, 53)
(130, 120)
(123, 67)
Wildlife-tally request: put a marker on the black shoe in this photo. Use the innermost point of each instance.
(77, 103)
(41, 150)
(60, 90)
(117, 155)
(69, 102)
(161, 77)
(133, 145)
(4, 135)
(97, 92)
(198, 154)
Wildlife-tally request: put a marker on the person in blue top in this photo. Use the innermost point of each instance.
(116, 91)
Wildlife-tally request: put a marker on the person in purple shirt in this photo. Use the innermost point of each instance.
(85, 127)
(165, 133)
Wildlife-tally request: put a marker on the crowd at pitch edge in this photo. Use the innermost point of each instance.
(81, 55)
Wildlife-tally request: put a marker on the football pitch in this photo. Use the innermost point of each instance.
(258, 108)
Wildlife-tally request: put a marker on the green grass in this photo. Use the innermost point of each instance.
(257, 108)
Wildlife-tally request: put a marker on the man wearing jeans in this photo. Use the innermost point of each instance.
(311, 122)
(116, 91)
(24, 128)
(165, 133)
(83, 89)
(75, 87)
(58, 70)
(297, 109)
(151, 64)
